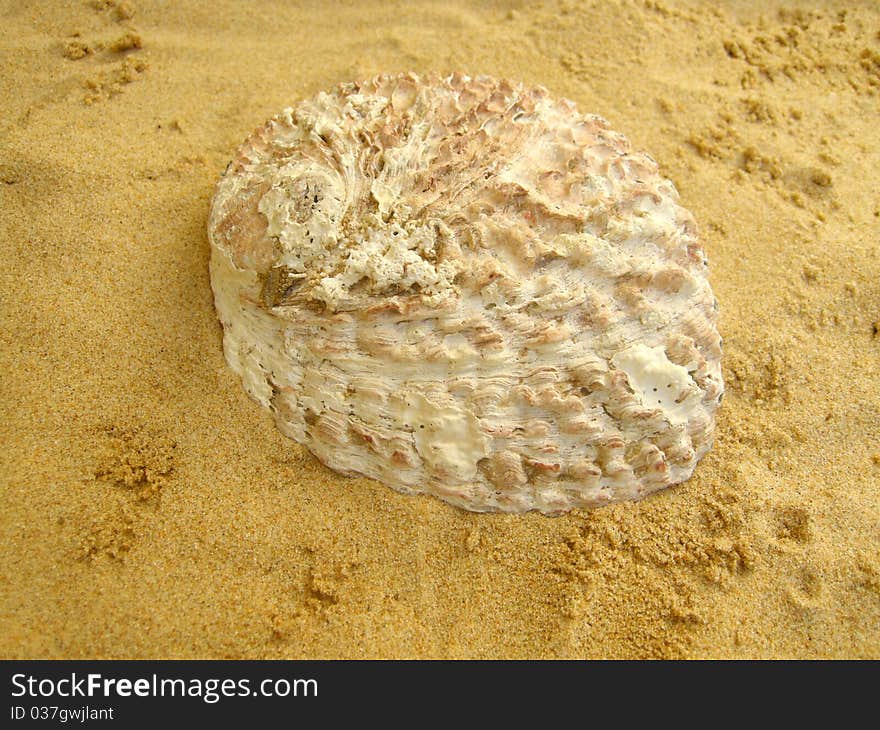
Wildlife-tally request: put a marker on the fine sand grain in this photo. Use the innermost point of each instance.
(148, 508)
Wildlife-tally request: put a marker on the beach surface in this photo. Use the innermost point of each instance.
(149, 509)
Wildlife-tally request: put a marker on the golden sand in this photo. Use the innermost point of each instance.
(148, 508)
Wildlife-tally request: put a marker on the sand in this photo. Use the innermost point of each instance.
(148, 508)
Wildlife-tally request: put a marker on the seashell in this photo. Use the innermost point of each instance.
(464, 287)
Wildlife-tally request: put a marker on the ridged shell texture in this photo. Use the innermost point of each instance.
(465, 287)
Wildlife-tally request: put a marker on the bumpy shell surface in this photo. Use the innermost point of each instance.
(464, 287)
